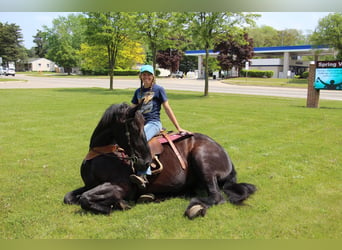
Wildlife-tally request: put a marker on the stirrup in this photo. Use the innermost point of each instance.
(156, 166)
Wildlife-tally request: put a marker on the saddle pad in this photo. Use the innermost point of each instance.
(174, 137)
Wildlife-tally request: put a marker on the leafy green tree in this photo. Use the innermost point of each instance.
(31, 53)
(40, 40)
(188, 63)
(130, 55)
(155, 29)
(329, 32)
(267, 36)
(207, 27)
(64, 40)
(11, 48)
(94, 58)
(111, 30)
(213, 65)
(264, 36)
(290, 37)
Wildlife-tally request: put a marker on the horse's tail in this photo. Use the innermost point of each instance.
(237, 192)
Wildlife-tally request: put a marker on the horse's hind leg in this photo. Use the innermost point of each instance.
(237, 192)
(198, 206)
(103, 198)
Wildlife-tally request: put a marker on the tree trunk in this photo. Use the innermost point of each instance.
(206, 72)
(111, 63)
(154, 57)
(111, 78)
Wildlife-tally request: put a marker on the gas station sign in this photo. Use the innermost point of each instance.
(328, 75)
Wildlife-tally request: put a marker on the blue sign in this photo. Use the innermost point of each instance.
(328, 75)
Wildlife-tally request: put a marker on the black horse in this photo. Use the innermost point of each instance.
(118, 146)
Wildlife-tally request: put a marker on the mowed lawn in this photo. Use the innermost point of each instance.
(290, 152)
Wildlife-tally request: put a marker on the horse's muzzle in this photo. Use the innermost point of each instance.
(141, 165)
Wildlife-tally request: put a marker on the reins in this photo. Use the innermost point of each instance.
(114, 151)
(133, 158)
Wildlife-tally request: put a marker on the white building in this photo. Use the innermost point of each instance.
(40, 64)
(284, 61)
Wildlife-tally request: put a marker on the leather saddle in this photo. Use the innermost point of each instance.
(157, 147)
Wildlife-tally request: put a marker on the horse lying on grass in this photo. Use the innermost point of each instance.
(118, 147)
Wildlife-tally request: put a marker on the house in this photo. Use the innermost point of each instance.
(40, 64)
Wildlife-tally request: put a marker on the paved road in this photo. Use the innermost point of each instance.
(215, 86)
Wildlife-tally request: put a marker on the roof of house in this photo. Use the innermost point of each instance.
(31, 60)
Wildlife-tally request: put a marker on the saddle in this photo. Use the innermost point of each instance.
(156, 147)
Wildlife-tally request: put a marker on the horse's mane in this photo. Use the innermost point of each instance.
(114, 113)
(103, 133)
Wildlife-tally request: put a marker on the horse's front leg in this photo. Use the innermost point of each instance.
(73, 197)
(104, 198)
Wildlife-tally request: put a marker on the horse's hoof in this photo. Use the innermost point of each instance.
(123, 205)
(71, 200)
(145, 198)
(195, 211)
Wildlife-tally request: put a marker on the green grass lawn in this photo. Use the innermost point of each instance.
(290, 152)
(65, 75)
(7, 79)
(270, 82)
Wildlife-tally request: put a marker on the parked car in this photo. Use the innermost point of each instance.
(178, 74)
(10, 71)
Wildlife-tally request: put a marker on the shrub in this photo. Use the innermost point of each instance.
(117, 72)
(305, 74)
(130, 72)
(257, 73)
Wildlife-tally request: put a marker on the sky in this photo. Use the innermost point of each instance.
(30, 22)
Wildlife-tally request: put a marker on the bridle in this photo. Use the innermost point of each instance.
(133, 158)
(114, 150)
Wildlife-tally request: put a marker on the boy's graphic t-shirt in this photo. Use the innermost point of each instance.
(153, 99)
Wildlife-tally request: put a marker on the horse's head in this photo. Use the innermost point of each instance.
(136, 139)
(123, 125)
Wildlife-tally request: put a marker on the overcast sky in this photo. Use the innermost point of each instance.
(30, 22)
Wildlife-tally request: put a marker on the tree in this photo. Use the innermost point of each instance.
(155, 30)
(290, 37)
(329, 32)
(207, 27)
(64, 41)
(40, 40)
(11, 48)
(31, 53)
(169, 59)
(266, 36)
(234, 53)
(111, 30)
(131, 54)
(94, 58)
(188, 63)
